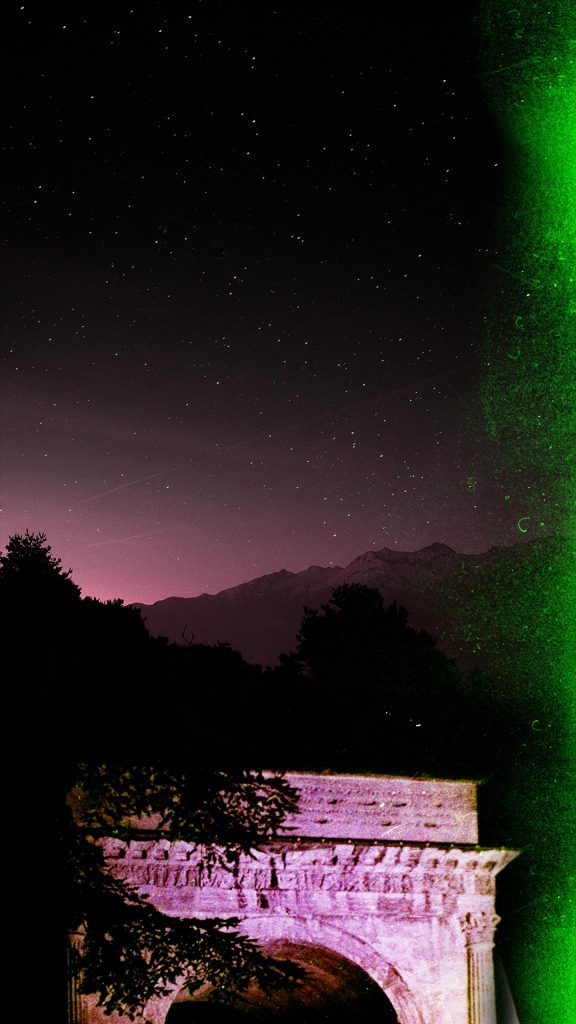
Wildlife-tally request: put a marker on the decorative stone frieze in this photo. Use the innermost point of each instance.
(329, 867)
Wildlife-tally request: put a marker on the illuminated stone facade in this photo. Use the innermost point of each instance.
(382, 870)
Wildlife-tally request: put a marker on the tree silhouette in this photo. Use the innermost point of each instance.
(373, 693)
(29, 561)
(84, 684)
(29, 570)
(130, 952)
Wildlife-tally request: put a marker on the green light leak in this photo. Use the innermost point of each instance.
(528, 399)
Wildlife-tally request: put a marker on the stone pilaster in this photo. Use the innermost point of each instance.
(478, 929)
(76, 1006)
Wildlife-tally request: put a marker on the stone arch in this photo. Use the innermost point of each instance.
(316, 931)
(333, 988)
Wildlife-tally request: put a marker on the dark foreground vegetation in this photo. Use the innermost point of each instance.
(143, 725)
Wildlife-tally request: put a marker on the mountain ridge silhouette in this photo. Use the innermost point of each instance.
(463, 600)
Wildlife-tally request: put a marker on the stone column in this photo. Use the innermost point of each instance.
(76, 1014)
(478, 931)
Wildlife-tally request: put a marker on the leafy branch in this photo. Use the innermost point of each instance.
(128, 952)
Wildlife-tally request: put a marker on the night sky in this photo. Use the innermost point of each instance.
(246, 263)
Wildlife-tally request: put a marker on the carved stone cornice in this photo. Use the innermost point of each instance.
(328, 867)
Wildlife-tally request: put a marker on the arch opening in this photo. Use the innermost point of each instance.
(334, 989)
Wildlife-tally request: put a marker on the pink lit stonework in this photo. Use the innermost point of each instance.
(377, 874)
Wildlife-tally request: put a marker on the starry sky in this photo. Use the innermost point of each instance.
(246, 259)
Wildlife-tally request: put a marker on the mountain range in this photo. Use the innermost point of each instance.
(475, 605)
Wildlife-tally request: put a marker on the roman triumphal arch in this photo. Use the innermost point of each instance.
(376, 877)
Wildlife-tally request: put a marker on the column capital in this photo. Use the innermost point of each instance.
(478, 927)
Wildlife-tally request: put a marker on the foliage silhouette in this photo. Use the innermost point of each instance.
(29, 568)
(86, 685)
(374, 694)
(129, 952)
